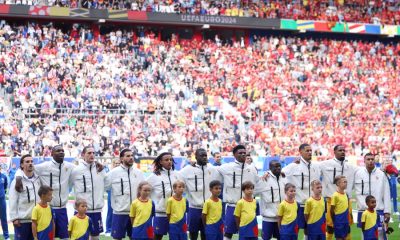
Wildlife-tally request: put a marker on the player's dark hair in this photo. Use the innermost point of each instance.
(303, 146)
(215, 183)
(157, 163)
(122, 153)
(337, 147)
(237, 148)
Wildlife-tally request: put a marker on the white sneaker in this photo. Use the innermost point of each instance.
(397, 213)
(108, 234)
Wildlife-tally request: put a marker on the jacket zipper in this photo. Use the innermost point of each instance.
(302, 181)
(51, 180)
(369, 184)
(170, 183)
(163, 189)
(122, 186)
(309, 180)
(84, 183)
(279, 189)
(91, 177)
(204, 187)
(272, 194)
(234, 179)
(362, 187)
(241, 180)
(59, 182)
(29, 195)
(130, 187)
(195, 182)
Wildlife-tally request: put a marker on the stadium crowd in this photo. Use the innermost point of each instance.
(374, 11)
(129, 88)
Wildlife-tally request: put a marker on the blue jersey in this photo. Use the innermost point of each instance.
(3, 185)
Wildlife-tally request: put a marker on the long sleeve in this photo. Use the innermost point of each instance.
(13, 196)
(386, 196)
(107, 181)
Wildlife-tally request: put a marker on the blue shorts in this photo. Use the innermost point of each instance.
(288, 237)
(316, 237)
(230, 221)
(269, 230)
(194, 220)
(24, 232)
(161, 225)
(301, 220)
(61, 223)
(379, 218)
(121, 226)
(178, 236)
(97, 223)
(215, 236)
(341, 230)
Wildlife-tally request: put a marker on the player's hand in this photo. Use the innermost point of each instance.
(99, 167)
(19, 187)
(17, 223)
(387, 217)
(297, 160)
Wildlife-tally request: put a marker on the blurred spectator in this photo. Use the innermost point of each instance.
(376, 11)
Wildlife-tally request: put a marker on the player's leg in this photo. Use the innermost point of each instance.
(160, 225)
(230, 223)
(61, 223)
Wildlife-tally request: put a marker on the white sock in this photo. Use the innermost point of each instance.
(305, 237)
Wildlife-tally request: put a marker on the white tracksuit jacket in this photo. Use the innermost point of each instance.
(57, 177)
(301, 175)
(272, 193)
(332, 168)
(21, 204)
(375, 184)
(123, 183)
(233, 175)
(162, 189)
(89, 185)
(197, 179)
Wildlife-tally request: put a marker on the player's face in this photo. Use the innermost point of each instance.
(317, 189)
(27, 165)
(88, 156)
(217, 158)
(166, 162)
(276, 168)
(179, 189)
(58, 154)
(240, 155)
(127, 159)
(340, 153)
(369, 162)
(249, 191)
(291, 193)
(201, 158)
(216, 190)
(249, 160)
(306, 153)
(116, 163)
(82, 208)
(145, 191)
(371, 203)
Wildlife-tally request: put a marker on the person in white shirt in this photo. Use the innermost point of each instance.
(123, 182)
(234, 174)
(301, 175)
(329, 170)
(56, 174)
(88, 184)
(272, 192)
(197, 178)
(22, 199)
(162, 179)
(370, 180)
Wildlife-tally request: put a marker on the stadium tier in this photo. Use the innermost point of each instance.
(364, 11)
(129, 87)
